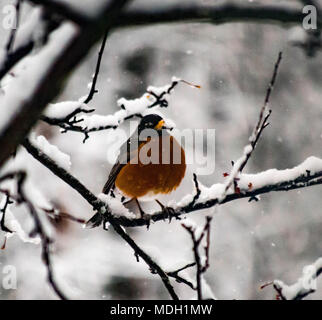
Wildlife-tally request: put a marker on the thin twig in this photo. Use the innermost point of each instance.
(97, 204)
(20, 177)
(3, 210)
(179, 279)
(258, 129)
(196, 243)
(13, 32)
(97, 69)
(302, 181)
(73, 121)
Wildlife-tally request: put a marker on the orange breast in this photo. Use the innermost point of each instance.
(163, 176)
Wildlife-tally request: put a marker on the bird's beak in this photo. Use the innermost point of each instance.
(160, 125)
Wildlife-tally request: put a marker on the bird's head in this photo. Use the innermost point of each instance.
(152, 121)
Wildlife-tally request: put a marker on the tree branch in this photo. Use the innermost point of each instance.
(196, 240)
(217, 14)
(304, 285)
(39, 229)
(97, 70)
(27, 109)
(301, 181)
(151, 99)
(97, 205)
(66, 10)
(13, 32)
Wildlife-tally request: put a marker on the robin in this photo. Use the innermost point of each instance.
(150, 162)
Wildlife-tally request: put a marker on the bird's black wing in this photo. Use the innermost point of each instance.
(112, 177)
(127, 152)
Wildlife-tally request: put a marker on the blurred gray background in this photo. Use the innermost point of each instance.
(251, 243)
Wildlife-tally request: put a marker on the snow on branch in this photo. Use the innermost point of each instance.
(100, 206)
(72, 115)
(304, 286)
(256, 134)
(202, 262)
(307, 174)
(58, 156)
(22, 96)
(40, 229)
(23, 39)
(27, 96)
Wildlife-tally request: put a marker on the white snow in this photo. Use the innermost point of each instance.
(175, 79)
(159, 90)
(26, 31)
(62, 109)
(304, 284)
(275, 176)
(207, 292)
(235, 170)
(116, 206)
(62, 159)
(24, 86)
(97, 121)
(188, 223)
(13, 224)
(258, 180)
(129, 107)
(136, 105)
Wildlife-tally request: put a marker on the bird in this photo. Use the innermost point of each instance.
(151, 162)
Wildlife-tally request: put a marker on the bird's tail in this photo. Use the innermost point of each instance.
(94, 221)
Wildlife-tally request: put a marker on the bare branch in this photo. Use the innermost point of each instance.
(179, 279)
(97, 70)
(20, 177)
(283, 15)
(196, 243)
(258, 129)
(3, 210)
(64, 215)
(70, 12)
(217, 14)
(12, 36)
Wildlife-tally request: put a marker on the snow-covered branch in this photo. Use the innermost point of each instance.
(100, 206)
(308, 173)
(261, 124)
(304, 286)
(72, 115)
(44, 74)
(202, 262)
(41, 228)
